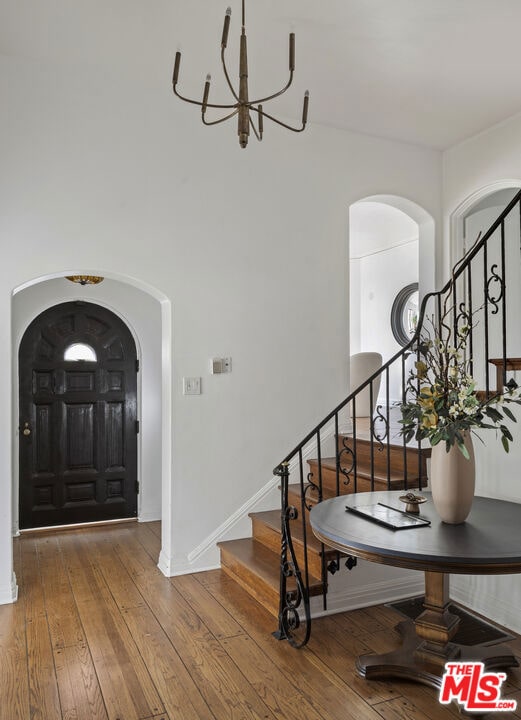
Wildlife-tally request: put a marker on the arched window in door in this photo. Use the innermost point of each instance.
(80, 351)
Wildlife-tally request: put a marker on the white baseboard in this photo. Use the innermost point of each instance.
(9, 594)
(164, 564)
(184, 569)
(149, 517)
(372, 593)
(496, 609)
(171, 567)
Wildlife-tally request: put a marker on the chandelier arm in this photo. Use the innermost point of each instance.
(279, 122)
(216, 122)
(197, 102)
(270, 97)
(227, 76)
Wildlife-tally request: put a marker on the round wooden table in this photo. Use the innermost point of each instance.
(488, 543)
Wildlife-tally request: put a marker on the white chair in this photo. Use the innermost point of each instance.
(361, 367)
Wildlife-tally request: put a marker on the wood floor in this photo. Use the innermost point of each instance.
(98, 633)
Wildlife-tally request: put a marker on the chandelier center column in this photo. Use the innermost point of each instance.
(244, 112)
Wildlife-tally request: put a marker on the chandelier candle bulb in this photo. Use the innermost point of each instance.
(226, 28)
(305, 108)
(176, 68)
(206, 91)
(292, 52)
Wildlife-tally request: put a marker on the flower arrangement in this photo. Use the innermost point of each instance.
(441, 403)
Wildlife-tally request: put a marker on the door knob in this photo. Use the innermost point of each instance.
(27, 430)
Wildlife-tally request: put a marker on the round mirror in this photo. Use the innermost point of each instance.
(404, 314)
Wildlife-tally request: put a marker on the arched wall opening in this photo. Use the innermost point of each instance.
(147, 313)
(476, 213)
(392, 247)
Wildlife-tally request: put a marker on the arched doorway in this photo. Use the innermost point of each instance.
(476, 214)
(392, 266)
(383, 253)
(78, 417)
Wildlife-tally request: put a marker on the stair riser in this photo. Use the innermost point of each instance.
(312, 498)
(329, 480)
(390, 456)
(272, 539)
(363, 483)
(263, 593)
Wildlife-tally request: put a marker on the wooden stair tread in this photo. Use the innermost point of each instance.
(271, 518)
(259, 562)
(511, 363)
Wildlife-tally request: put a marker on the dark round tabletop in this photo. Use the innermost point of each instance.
(488, 542)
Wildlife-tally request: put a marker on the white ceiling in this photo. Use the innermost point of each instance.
(429, 72)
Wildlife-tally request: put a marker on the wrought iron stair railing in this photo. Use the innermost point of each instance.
(477, 289)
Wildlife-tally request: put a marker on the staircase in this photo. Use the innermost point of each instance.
(282, 565)
(254, 563)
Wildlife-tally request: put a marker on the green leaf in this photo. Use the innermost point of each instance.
(493, 414)
(506, 432)
(505, 443)
(509, 413)
(409, 435)
(464, 451)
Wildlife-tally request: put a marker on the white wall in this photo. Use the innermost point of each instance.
(142, 315)
(104, 170)
(490, 160)
(383, 276)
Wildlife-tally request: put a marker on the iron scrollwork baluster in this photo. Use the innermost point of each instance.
(463, 317)
(346, 452)
(310, 488)
(495, 278)
(290, 600)
(380, 421)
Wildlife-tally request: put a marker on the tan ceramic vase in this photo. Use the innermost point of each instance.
(452, 481)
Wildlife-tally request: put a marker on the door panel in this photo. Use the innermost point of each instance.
(114, 442)
(78, 444)
(80, 422)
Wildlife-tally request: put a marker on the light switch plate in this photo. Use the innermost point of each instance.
(191, 386)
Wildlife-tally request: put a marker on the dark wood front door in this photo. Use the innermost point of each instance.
(78, 418)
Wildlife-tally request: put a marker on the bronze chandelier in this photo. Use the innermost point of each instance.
(243, 106)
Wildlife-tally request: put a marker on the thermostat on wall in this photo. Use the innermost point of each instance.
(220, 365)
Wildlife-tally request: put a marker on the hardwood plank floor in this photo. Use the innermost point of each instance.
(98, 633)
